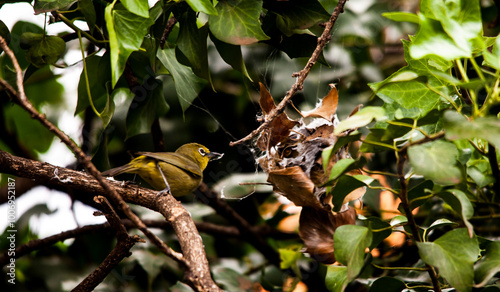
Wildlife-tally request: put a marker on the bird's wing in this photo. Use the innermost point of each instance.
(176, 160)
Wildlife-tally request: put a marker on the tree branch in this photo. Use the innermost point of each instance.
(301, 76)
(197, 277)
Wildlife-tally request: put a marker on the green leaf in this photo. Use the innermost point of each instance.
(346, 185)
(387, 284)
(42, 6)
(461, 204)
(126, 33)
(187, 84)
(204, 6)
(336, 278)
(109, 109)
(5, 33)
(458, 127)
(237, 22)
(417, 195)
(88, 10)
(350, 242)
(32, 134)
(454, 255)
(231, 54)
(192, 43)
(145, 109)
(345, 165)
(42, 49)
(99, 74)
(436, 224)
(398, 220)
(493, 58)
(231, 280)
(436, 161)
(488, 265)
(379, 228)
(360, 119)
(138, 7)
(297, 15)
(401, 16)
(289, 259)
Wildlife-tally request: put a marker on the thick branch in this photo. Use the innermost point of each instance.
(301, 76)
(197, 280)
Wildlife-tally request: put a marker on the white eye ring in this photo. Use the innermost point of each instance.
(202, 151)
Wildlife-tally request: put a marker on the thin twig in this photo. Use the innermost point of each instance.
(301, 76)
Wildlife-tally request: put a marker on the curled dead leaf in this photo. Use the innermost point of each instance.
(327, 108)
(316, 229)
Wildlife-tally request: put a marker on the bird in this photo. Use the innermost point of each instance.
(178, 173)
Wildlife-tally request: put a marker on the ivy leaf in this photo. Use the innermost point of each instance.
(360, 119)
(98, 70)
(192, 43)
(387, 284)
(88, 10)
(460, 203)
(436, 161)
(414, 93)
(488, 265)
(350, 242)
(289, 259)
(401, 16)
(204, 6)
(349, 188)
(126, 32)
(493, 58)
(297, 15)
(145, 109)
(458, 127)
(42, 49)
(237, 22)
(42, 6)
(138, 7)
(187, 84)
(382, 230)
(231, 54)
(336, 278)
(455, 267)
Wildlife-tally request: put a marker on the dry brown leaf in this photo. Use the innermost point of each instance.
(317, 228)
(328, 106)
(293, 183)
(278, 130)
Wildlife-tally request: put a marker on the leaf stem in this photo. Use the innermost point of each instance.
(472, 93)
(85, 73)
(84, 33)
(400, 268)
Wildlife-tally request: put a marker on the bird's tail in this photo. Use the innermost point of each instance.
(119, 170)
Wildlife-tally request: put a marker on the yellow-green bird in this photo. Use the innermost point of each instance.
(179, 172)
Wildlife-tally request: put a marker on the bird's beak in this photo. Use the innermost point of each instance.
(215, 155)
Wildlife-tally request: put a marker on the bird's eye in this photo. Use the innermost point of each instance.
(202, 152)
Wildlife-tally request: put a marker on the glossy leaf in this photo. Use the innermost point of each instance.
(488, 265)
(297, 15)
(187, 84)
(418, 195)
(461, 204)
(231, 54)
(126, 33)
(204, 6)
(362, 118)
(336, 278)
(98, 73)
(145, 109)
(436, 161)
(138, 7)
(42, 6)
(350, 242)
(458, 127)
(88, 10)
(237, 22)
(493, 58)
(387, 284)
(42, 49)
(401, 16)
(379, 228)
(349, 188)
(343, 166)
(412, 93)
(192, 43)
(455, 267)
